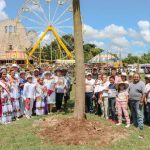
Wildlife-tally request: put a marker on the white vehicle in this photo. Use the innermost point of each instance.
(132, 68)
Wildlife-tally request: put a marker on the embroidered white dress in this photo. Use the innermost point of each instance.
(6, 105)
(15, 95)
(51, 95)
(40, 95)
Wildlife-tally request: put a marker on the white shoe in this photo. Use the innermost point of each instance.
(118, 124)
(127, 126)
(17, 119)
(28, 117)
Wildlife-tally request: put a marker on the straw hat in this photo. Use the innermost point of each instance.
(15, 65)
(122, 83)
(124, 74)
(131, 74)
(29, 76)
(36, 70)
(147, 76)
(22, 72)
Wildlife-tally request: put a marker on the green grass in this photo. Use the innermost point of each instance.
(20, 135)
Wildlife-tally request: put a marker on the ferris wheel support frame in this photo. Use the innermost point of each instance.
(61, 43)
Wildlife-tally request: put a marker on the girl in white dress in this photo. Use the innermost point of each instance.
(41, 93)
(49, 83)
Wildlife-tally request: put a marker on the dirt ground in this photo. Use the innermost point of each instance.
(72, 131)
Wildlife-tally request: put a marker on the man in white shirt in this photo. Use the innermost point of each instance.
(89, 91)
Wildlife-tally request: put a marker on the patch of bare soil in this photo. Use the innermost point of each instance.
(72, 131)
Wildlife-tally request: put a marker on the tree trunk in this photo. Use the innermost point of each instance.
(79, 111)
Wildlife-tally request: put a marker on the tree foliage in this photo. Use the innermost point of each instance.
(54, 50)
(131, 59)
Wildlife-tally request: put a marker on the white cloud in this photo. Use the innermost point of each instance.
(98, 44)
(120, 42)
(110, 31)
(138, 43)
(90, 33)
(3, 14)
(133, 33)
(144, 30)
(113, 31)
(116, 35)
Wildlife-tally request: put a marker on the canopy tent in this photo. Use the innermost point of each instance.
(102, 58)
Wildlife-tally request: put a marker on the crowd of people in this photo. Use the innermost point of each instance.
(40, 91)
(118, 97)
(32, 92)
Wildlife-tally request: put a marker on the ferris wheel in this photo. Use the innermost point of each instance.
(48, 21)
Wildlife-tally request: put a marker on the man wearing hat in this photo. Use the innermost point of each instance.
(131, 74)
(68, 87)
(35, 75)
(15, 67)
(95, 73)
(89, 91)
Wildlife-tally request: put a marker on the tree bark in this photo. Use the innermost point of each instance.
(79, 111)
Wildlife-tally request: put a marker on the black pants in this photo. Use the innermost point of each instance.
(98, 106)
(112, 110)
(59, 99)
(89, 102)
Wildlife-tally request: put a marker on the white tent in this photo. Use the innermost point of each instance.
(102, 58)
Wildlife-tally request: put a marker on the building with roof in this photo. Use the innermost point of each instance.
(14, 41)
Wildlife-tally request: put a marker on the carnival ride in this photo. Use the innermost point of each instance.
(51, 20)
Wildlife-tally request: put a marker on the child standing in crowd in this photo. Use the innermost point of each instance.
(122, 103)
(112, 98)
(29, 96)
(40, 97)
(6, 106)
(49, 83)
(22, 81)
(14, 93)
(103, 97)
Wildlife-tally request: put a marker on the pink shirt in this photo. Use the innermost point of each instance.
(122, 96)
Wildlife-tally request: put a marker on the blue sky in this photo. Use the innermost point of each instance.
(114, 25)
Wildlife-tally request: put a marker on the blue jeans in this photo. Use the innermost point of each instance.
(89, 102)
(112, 109)
(137, 113)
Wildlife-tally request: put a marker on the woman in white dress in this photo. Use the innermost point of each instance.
(49, 83)
(14, 94)
(6, 113)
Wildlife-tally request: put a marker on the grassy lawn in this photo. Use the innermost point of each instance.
(20, 135)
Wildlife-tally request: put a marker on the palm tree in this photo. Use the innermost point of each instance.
(79, 111)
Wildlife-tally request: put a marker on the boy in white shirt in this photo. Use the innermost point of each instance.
(29, 96)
